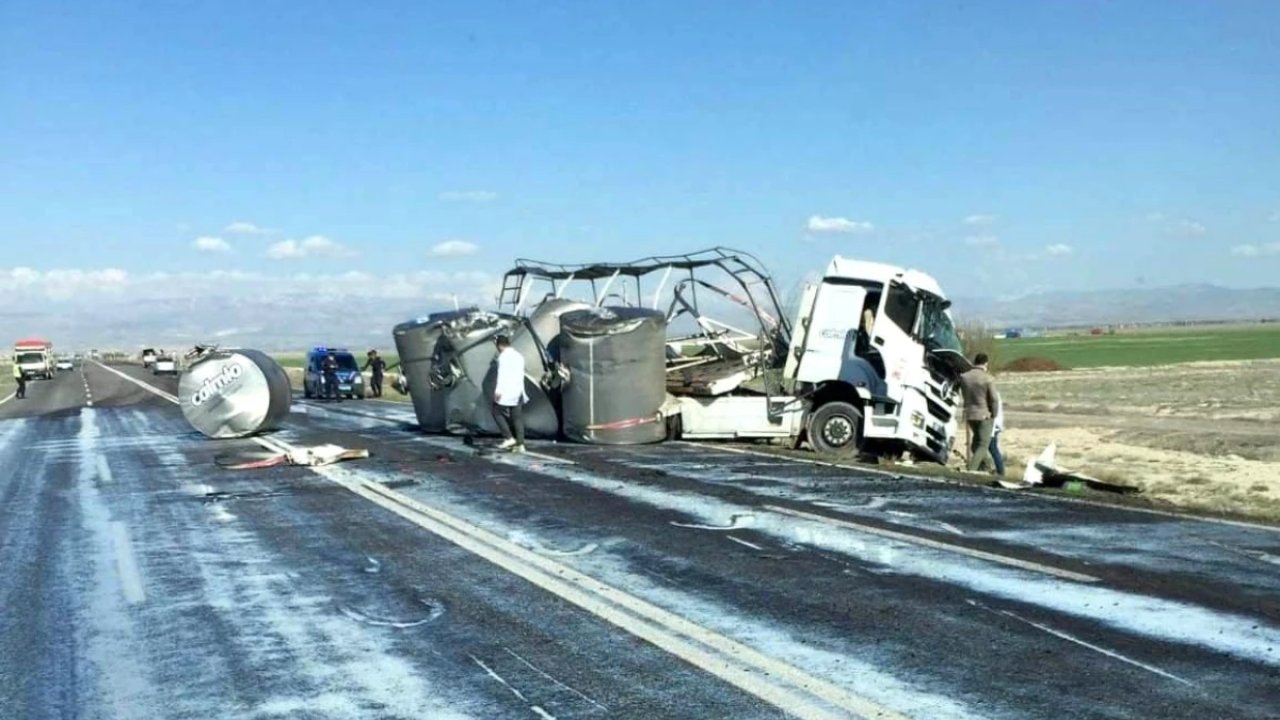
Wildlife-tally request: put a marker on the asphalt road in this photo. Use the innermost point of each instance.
(143, 580)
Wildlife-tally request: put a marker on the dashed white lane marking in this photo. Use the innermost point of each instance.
(127, 564)
(554, 681)
(501, 680)
(938, 545)
(740, 541)
(1071, 638)
(776, 682)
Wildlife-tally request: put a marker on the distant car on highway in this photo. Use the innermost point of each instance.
(350, 381)
(148, 357)
(164, 365)
(65, 363)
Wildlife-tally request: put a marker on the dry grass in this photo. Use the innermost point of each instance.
(1198, 436)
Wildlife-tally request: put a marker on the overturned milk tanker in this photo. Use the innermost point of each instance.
(234, 393)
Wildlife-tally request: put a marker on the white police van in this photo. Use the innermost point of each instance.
(350, 381)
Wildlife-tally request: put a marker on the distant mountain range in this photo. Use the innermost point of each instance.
(1209, 303)
(294, 323)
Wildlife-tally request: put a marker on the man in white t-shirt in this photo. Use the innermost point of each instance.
(509, 396)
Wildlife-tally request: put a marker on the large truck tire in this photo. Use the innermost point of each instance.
(835, 429)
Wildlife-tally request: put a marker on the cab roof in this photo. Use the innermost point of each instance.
(882, 273)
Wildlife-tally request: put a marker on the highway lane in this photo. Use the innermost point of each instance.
(258, 593)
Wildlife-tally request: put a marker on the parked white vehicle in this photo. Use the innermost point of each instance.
(164, 365)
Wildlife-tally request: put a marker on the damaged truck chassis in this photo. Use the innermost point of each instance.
(868, 365)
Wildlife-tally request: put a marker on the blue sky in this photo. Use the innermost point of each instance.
(1002, 146)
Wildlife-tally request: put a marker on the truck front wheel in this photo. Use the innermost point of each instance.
(835, 428)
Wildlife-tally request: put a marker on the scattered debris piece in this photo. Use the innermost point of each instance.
(1044, 471)
(308, 456)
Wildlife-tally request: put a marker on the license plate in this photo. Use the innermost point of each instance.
(344, 387)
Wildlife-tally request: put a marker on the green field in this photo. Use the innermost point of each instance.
(1148, 347)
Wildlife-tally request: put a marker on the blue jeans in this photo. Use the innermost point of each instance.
(996, 456)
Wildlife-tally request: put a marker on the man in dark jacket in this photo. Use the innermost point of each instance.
(379, 367)
(981, 405)
(329, 366)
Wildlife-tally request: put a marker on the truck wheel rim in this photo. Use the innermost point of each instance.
(837, 431)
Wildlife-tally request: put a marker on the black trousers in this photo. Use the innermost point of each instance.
(331, 386)
(375, 384)
(510, 419)
(22, 387)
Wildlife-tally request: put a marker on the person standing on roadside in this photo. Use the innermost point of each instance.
(329, 366)
(379, 367)
(21, 380)
(981, 405)
(509, 396)
(997, 427)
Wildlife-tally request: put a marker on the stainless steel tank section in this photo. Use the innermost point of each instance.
(617, 375)
(464, 365)
(416, 343)
(235, 393)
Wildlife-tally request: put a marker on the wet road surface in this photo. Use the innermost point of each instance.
(143, 580)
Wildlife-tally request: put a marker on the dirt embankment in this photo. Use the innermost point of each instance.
(1200, 435)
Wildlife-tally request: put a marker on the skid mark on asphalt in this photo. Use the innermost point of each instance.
(1073, 639)
(123, 683)
(127, 564)
(735, 523)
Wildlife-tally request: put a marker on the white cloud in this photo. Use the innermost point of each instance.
(1252, 250)
(1177, 226)
(1188, 227)
(820, 224)
(244, 227)
(315, 245)
(982, 241)
(211, 244)
(21, 285)
(467, 196)
(454, 248)
(980, 220)
(60, 284)
(1059, 249)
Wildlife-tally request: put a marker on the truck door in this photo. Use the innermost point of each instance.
(894, 335)
(832, 319)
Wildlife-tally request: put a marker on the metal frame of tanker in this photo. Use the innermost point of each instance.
(719, 407)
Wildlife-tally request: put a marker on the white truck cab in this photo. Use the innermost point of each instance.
(875, 350)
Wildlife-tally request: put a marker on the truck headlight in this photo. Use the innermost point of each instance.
(917, 420)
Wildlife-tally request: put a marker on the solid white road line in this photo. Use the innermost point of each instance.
(145, 386)
(937, 545)
(9, 397)
(782, 685)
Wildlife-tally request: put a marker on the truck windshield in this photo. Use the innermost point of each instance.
(30, 358)
(936, 328)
